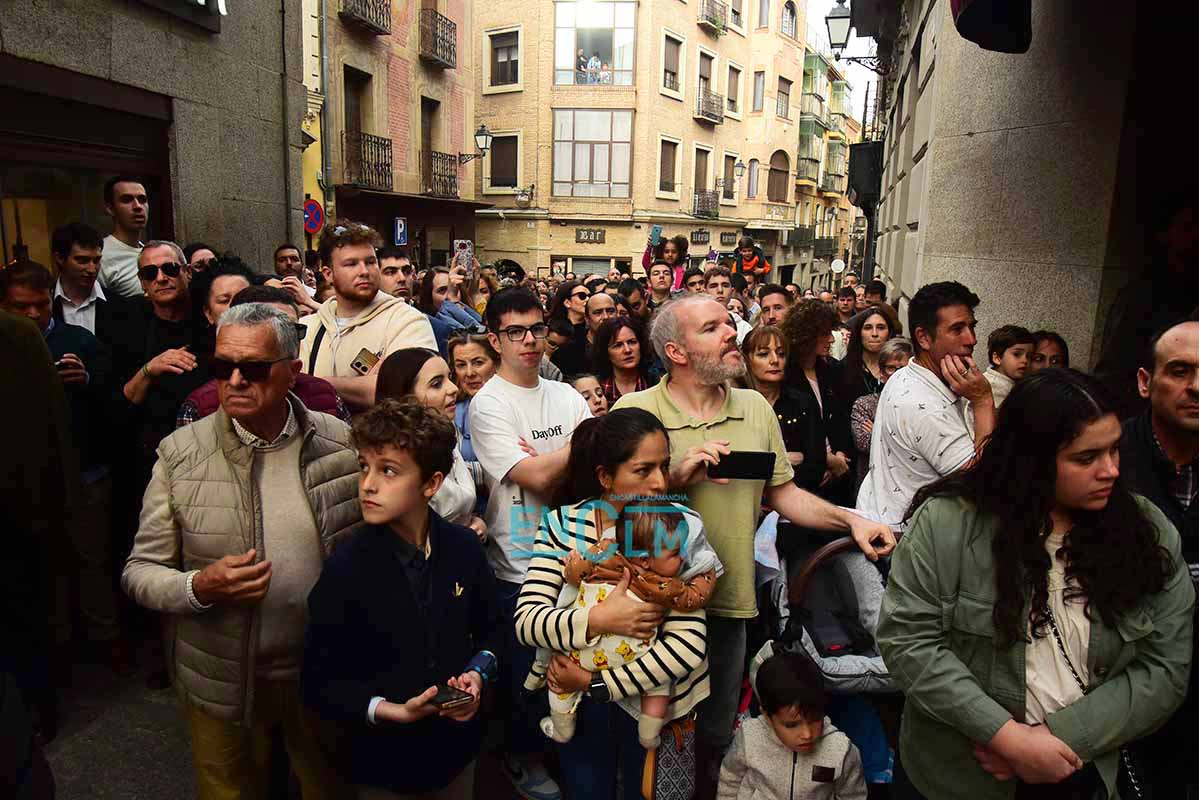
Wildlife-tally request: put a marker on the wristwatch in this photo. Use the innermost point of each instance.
(598, 690)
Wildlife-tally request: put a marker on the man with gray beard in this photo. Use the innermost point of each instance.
(706, 419)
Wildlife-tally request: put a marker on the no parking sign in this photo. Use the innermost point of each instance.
(314, 216)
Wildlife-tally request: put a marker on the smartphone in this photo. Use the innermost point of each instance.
(363, 362)
(749, 465)
(464, 254)
(655, 235)
(449, 697)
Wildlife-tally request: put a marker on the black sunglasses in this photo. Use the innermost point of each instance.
(301, 330)
(252, 371)
(580, 295)
(150, 271)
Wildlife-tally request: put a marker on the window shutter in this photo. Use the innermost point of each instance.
(705, 67)
(666, 177)
(503, 161)
(672, 55)
(731, 89)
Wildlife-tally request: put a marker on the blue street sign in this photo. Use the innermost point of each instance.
(401, 237)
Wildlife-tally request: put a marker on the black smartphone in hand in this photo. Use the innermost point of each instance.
(448, 697)
(750, 465)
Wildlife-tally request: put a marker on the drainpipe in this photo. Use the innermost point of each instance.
(287, 211)
(326, 157)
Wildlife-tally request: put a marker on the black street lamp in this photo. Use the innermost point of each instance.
(483, 139)
(839, 22)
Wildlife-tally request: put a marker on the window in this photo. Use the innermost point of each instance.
(763, 13)
(780, 168)
(788, 26)
(783, 100)
(593, 42)
(503, 154)
(736, 13)
(668, 157)
(759, 90)
(592, 152)
(705, 74)
(505, 58)
(752, 171)
(701, 169)
(670, 63)
(733, 89)
(729, 188)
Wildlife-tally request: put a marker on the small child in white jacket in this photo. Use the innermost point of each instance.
(792, 751)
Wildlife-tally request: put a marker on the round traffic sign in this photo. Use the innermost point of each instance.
(314, 216)
(838, 266)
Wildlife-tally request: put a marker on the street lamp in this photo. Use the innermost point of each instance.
(839, 22)
(739, 169)
(483, 139)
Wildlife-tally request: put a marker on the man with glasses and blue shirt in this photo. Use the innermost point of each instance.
(517, 413)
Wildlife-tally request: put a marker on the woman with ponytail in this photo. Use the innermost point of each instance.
(619, 465)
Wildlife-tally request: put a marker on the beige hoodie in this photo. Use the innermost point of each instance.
(386, 325)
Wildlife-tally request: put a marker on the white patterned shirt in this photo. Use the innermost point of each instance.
(921, 433)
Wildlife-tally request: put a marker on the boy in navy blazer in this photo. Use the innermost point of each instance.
(407, 604)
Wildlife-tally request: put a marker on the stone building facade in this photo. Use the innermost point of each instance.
(205, 106)
(646, 128)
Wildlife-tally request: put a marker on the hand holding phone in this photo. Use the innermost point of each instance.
(752, 465)
(450, 697)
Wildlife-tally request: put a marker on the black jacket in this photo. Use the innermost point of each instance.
(835, 420)
(366, 639)
(803, 432)
(89, 426)
(1148, 472)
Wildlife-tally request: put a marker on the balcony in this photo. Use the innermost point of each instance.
(707, 205)
(713, 15)
(832, 184)
(366, 161)
(438, 39)
(709, 107)
(836, 124)
(372, 15)
(439, 174)
(824, 247)
(807, 169)
(670, 80)
(812, 107)
(803, 235)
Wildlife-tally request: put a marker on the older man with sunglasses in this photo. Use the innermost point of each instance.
(241, 511)
(154, 368)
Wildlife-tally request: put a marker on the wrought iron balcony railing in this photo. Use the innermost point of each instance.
(803, 235)
(438, 39)
(714, 15)
(707, 204)
(366, 160)
(439, 174)
(709, 106)
(373, 15)
(824, 247)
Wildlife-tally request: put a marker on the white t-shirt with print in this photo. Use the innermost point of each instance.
(921, 433)
(500, 415)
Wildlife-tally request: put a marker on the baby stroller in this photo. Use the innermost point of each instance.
(824, 600)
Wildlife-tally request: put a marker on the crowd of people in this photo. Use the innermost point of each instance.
(374, 509)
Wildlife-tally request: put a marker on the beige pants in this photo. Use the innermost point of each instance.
(461, 788)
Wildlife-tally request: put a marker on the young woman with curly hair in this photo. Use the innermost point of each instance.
(1038, 615)
(621, 357)
(808, 329)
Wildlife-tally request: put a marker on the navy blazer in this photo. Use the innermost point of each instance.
(366, 638)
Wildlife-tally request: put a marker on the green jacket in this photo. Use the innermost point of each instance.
(938, 640)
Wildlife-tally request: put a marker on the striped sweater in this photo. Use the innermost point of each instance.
(678, 658)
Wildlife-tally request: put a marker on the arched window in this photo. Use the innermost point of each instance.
(753, 179)
(788, 18)
(780, 169)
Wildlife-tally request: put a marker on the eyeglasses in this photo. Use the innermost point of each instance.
(252, 371)
(150, 271)
(517, 333)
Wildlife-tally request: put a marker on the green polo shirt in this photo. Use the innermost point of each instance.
(729, 512)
